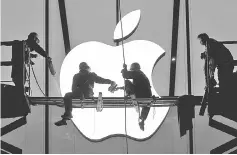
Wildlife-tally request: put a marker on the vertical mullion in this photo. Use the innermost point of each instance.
(189, 69)
(175, 28)
(46, 76)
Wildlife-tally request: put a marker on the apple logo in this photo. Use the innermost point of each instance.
(107, 62)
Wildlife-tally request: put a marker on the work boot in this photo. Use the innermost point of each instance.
(61, 122)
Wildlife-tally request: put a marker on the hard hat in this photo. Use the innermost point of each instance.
(34, 36)
(83, 66)
(135, 66)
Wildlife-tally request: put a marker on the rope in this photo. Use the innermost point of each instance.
(56, 83)
(28, 81)
(121, 32)
(37, 81)
(125, 106)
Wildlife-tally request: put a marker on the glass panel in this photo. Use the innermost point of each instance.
(96, 22)
(18, 19)
(217, 18)
(219, 23)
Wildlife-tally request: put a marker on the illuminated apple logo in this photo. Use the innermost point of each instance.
(107, 61)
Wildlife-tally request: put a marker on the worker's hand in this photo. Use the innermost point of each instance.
(112, 87)
(48, 58)
(33, 55)
(125, 66)
(50, 65)
(113, 83)
(203, 55)
(123, 70)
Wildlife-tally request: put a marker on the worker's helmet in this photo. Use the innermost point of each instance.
(33, 36)
(135, 66)
(203, 38)
(84, 66)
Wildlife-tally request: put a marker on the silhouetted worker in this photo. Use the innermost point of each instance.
(29, 45)
(82, 87)
(140, 87)
(220, 57)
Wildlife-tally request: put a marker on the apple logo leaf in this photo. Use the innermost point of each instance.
(129, 25)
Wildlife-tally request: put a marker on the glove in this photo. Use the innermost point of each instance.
(125, 66)
(33, 55)
(49, 58)
(203, 55)
(50, 65)
(112, 87)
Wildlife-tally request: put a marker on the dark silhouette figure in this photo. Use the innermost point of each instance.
(217, 56)
(14, 102)
(220, 57)
(82, 87)
(25, 47)
(221, 101)
(140, 87)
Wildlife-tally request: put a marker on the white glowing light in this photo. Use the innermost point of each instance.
(107, 62)
(129, 24)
